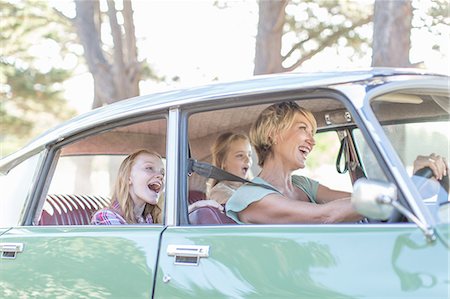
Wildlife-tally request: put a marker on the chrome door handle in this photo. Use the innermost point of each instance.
(187, 254)
(10, 250)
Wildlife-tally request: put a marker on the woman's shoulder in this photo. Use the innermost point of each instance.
(247, 194)
(303, 180)
(308, 185)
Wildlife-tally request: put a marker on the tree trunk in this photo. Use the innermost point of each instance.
(119, 79)
(391, 33)
(272, 16)
(99, 67)
(133, 65)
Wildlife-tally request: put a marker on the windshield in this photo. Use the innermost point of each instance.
(416, 124)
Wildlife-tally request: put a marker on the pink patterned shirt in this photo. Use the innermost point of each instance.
(113, 216)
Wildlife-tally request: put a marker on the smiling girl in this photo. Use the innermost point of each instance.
(135, 199)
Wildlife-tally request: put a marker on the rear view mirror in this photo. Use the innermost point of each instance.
(369, 198)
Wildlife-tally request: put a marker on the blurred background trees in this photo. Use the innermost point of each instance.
(100, 37)
(115, 68)
(31, 90)
(292, 32)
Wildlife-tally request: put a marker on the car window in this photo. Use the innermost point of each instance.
(205, 127)
(321, 163)
(421, 138)
(86, 170)
(417, 123)
(16, 187)
(368, 160)
(87, 174)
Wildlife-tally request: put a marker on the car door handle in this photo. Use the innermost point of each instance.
(187, 254)
(10, 250)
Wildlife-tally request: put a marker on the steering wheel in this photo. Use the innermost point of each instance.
(427, 188)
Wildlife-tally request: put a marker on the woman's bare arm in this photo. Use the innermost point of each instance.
(277, 209)
(325, 194)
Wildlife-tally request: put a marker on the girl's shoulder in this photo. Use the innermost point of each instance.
(108, 216)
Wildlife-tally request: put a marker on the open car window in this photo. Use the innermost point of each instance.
(85, 170)
(334, 122)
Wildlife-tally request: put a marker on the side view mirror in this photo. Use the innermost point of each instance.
(369, 198)
(377, 200)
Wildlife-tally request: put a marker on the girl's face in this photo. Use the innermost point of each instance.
(294, 144)
(238, 159)
(146, 179)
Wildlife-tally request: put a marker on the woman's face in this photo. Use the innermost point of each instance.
(295, 143)
(146, 179)
(238, 159)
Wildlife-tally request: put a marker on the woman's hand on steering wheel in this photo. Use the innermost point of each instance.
(436, 163)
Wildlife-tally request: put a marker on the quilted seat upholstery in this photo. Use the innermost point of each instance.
(209, 215)
(70, 209)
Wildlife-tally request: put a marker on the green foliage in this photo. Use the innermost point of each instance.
(433, 16)
(325, 150)
(31, 89)
(313, 25)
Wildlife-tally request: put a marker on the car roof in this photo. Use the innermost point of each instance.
(181, 97)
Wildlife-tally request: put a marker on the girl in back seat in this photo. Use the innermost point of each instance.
(231, 152)
(138, 192)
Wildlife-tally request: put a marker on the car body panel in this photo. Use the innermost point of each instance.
(305, 261)
(80, 261)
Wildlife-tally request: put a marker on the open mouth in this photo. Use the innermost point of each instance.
(156, 187)
(244, 170)
(304, 150)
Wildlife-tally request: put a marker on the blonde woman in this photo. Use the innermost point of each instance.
(231, 152)
(136, 196)
(283, 136)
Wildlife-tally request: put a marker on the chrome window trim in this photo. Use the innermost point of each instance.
(172, 167)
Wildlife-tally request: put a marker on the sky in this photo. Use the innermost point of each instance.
(199, 43)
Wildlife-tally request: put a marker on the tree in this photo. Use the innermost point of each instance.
(392, 33)
(292, 32)
(272, 17)
(30, 89)
(395, 21)
(115, 68)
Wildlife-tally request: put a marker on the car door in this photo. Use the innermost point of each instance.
(79, 261)
(63, 258)
(301, 261)
(384, 260)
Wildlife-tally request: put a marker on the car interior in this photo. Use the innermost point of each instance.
(84, 173)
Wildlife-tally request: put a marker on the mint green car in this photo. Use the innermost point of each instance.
(371, 126)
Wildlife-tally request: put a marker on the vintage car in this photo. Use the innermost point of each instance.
(371, 126)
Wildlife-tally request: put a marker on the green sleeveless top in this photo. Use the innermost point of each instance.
(248, 194)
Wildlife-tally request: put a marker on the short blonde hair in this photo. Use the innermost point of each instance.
(273, 120)
(121, 191)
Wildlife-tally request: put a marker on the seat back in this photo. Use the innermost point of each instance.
(195, 195)
(70, 209)
(209, 215)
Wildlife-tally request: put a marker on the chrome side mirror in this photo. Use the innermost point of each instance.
(376, 200)
(372, 198)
